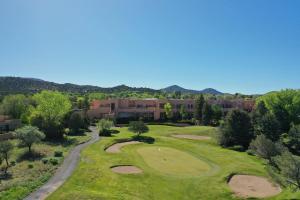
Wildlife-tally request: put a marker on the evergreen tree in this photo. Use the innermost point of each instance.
(207, 114)
(199, 108)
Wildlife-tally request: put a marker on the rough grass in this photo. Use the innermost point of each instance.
(93, 178)
(23, 179)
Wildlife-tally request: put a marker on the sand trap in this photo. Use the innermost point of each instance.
(116, 148)
(126, 170)
(192, 137)
(253, 186)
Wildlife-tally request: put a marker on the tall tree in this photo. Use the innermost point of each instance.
(49, 113)
(138, 127)
(236, 130)
(5, 149)
(183, 112)
(199, 108)
(267, 125)
(14, 105)
(207, 114)
(76, 122)
(168, 110)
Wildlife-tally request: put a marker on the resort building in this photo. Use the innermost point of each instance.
(153, 109)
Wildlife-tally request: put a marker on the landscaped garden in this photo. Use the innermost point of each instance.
(165, 167)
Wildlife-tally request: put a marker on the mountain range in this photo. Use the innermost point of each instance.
(10, 85)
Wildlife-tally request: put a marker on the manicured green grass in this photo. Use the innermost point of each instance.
(25, 179)
(93, 178)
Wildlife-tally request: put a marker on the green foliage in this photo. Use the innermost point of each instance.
(217, 114)
(53, 161)
(58, 154)
(5, 150)
(30, 166)
(236, 130)
(96, 96)
(183, 112)
(285, 169)
(285, 105)
(45, 160)
(14, 105)
(199, 108)
(138, 127)
(268, 125)
(168, 110)
(104, 126)
(207, 114)
(49, 113)
(265, 148)
(28, 135)
(76, 122)
(292, 141)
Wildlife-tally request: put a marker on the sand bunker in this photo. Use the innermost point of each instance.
(253, 186)
(192, 137)
(116, 148)
(126, 170)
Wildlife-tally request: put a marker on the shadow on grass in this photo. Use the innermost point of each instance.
(31, 156)
(5, 176)
(65, 142)
(109, 133)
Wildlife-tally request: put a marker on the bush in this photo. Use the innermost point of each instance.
(53, 161)
(58, 154)
(45, 160)
(104, 127)
(30, 166)
(13, 163)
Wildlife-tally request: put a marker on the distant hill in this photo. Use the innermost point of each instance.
(12, 85)
(176, 88)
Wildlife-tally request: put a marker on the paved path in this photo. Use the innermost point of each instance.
(64, 171)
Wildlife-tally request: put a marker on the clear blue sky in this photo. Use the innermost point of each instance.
(248, 46)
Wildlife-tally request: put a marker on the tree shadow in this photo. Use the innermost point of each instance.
(65, 142)
(5, 176)
(30, 156)
(145, 139)
(80, 132)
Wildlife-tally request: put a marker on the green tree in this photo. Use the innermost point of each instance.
(236, 130)
(49, 112)
(5, 149)
(292, 140)
(104, 126)
(28, 135)
(168, 110)
(183, 112)
(285, 169)
(76, 122)
(199, 103)
(14, 105)
(267, 125)
(217, 114)
(207, 114)
(138, 127)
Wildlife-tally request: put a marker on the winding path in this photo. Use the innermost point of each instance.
(64, 171)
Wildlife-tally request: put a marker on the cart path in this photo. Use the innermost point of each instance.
(64, 171)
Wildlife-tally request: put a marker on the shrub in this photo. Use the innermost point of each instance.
(45, 160)
(13, 163)
(53, 161)
(104, 127)
(138, 127)
(30, 166)
(58, 154)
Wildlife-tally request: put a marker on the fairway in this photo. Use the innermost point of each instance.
(173, 162)
(170, 168)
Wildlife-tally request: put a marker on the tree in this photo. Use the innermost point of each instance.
(183, 112)
(104, 126)
(199, 108)
(49, 113)
(285, 169)
(236, 130)
(293, 139)
(76, 122)
(217, 114)
(14, 105)
(267, 125)
(28, 135)
(265, 148)
(168, 110)
(207, 114)
(138, 127)
(5, 148)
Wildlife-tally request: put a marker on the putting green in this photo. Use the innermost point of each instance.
(172, 161)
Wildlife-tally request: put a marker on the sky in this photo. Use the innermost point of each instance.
(247, 46)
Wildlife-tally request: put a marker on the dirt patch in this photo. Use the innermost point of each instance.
(126, 169)
(116, 148)
(253, 186)
(193, 137)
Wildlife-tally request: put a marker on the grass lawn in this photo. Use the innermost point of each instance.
(202, 174)
(25, 179)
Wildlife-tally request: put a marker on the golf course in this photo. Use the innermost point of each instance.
(167, 163)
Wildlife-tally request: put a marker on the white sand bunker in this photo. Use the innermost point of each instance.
(192, 137)
(253, 186)
(116, 148)
(126, 170)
